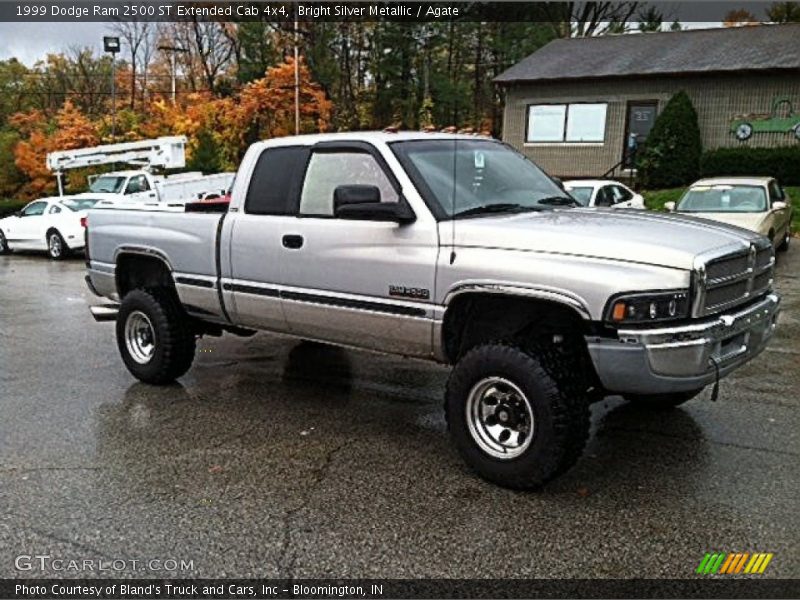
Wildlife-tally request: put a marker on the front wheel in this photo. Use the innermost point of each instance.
(784, 245)
(3, 244)
(57, 248)
(154, 336)
(510, 418)
(662, 401)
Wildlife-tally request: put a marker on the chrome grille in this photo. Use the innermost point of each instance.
(727, 267)
(734, 279)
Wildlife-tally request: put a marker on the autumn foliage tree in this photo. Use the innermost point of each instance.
(70, 129)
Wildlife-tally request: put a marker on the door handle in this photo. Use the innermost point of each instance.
(293, 242)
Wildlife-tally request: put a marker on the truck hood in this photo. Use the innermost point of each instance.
(652, 238)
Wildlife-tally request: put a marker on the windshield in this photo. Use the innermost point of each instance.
(724, 198)
(581, 194)
(108, 184)
(77, 204)
(475, 177)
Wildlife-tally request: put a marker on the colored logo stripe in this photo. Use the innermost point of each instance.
(733, 563)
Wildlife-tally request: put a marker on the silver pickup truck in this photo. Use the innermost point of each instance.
(454, 249)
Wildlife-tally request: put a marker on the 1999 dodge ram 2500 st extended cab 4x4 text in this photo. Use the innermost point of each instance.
(454, 249)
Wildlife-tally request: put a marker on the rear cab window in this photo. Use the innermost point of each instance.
(275, 183)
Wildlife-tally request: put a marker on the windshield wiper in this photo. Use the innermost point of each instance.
(559, 201)
(498, 207)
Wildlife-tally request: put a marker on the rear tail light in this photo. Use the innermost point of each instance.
(84, 222)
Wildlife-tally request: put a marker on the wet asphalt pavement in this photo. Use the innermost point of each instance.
(273, 458)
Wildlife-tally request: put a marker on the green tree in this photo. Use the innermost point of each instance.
(11, 178)
(672, 154)
(650, 19)
(205, 155)
(784, 12)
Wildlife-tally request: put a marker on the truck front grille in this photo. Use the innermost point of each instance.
(735, 278)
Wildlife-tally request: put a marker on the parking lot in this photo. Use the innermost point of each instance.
(274, 458)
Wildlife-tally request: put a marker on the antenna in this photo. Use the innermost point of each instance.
(453, 205)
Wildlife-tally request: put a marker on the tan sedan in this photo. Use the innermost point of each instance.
(755, 203)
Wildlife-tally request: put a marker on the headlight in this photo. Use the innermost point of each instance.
(649, 307)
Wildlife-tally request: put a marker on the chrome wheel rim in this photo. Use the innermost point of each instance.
(140, 337)
(500, 418)
(55, 245)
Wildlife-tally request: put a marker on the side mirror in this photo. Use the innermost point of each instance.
(363, 203)
(669, 206)
(779, 205)
(19, 214)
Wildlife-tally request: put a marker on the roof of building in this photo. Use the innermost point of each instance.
(674, 52)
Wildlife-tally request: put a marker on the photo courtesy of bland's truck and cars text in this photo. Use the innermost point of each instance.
(399, 299)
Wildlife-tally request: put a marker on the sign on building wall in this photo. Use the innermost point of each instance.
(782, 119)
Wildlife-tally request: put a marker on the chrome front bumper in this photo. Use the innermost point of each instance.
(674, 359)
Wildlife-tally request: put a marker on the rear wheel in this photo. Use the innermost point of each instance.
(662, 401)
(3, 244)
(511, 419)
(57, 248)
(154, 336)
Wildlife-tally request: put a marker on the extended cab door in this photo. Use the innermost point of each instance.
(255, 235)
(362, 283)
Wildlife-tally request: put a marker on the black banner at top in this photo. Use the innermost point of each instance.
(331, 10)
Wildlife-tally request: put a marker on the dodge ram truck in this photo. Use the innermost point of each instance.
(454, 249)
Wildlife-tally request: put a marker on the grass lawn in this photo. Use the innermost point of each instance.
(655, 200)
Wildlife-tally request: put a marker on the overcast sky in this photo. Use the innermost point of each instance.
(30, 42)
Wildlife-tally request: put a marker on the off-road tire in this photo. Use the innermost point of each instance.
(65, 250)
(561, 417)
(662, 401)
(174, 339)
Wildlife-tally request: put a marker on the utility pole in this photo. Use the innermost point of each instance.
(296, 78)
(173, 50)
(111, 45)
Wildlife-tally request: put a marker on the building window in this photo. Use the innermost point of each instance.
(566, 122)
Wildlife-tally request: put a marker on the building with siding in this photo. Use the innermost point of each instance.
(578, 106)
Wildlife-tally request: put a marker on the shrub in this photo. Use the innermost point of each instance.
(781, 163)
(671, 157)
(9, 207)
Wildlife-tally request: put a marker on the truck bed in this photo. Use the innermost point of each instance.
(185, 241)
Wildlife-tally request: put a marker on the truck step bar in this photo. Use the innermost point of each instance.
(104, 312)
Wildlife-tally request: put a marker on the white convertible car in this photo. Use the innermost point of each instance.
(52, 224)
(603, 192)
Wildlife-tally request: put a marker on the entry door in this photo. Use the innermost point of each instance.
(362, 283)
(641, 117)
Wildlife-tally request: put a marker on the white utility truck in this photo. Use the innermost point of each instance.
(141, 185)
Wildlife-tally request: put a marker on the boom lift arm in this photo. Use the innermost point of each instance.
(163, 153)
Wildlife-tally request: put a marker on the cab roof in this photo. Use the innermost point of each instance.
(374, 137)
